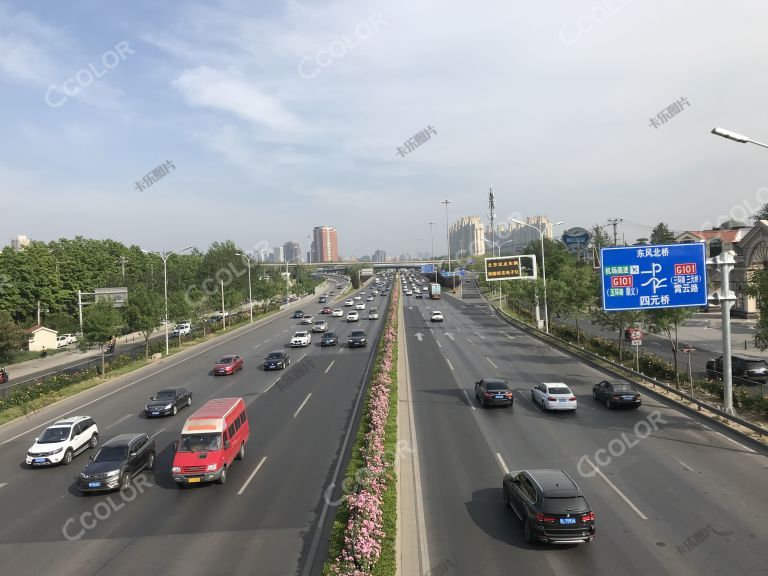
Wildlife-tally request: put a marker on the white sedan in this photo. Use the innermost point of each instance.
(338, 312)
(553, 396)
(436, 316)
(353, 317)
(360, 306)
(349, 302)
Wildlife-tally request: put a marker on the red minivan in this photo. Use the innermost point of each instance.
(212, 438)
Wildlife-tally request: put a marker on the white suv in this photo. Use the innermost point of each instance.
(63, 441)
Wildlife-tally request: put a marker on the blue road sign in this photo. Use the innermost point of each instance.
(427, 268)
(654, 276)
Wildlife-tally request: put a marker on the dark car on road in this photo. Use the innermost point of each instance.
(168, 401)
(744, 370)
(494, 391)
(615, 393)
(356, 339)
(550, 505)
(228, 365)
(298, 314)
(277, 360)
(329, 339)
(117, 462)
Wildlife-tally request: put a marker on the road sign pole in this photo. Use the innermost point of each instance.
(637, 358)
(725, 263)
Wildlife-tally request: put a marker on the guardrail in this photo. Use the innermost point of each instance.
(622, 371)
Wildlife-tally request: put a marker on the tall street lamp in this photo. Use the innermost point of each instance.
(432, 238)
(288, 277)
(543, 267)
(247, 257)
(735, 136)
(448, 240)
(164, 257)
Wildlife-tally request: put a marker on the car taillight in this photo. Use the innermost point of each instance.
(488, 394)
(551, 399)
(544, 518)
(572, 398)
(509, 394)
(588, 517)
(615, 396)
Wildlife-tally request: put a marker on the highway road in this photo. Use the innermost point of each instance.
(270, 518)
(672, 496)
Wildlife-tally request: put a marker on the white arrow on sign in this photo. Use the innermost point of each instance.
(419, 335)
(449, 335)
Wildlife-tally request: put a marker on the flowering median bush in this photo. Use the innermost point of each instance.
(368, 509)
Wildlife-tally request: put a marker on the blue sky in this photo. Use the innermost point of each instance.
(280, 116)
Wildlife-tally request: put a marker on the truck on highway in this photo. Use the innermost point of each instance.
(434, 291)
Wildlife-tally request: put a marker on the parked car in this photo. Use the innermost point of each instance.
(277, 360)
(356, 339)
(744, 370)
(168, 401)
(302, 338)
(494, 391)
(63, 440)
(329, 339)
(616, 393)
(181, 329)
(117, 462)
(61, 341)
(550, 505)
(553, 396)
(228, 365)
(71, 338)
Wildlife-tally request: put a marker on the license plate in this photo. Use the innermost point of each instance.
(563, 400)
(39, 460)
(567, 520)
(499, 396)
(155, 413)
(193, 480)
(628, 397)
(94, 484)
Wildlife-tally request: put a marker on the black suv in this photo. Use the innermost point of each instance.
(356, 338)
(329, 339)
(551, 506)
(117, 462)
(744, 370)
(277, 360)
(616, 393)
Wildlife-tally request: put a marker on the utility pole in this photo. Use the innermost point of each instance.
(615, 222)
(491, 217)
(123, 261)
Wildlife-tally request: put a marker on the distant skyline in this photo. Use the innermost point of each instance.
(165, 125)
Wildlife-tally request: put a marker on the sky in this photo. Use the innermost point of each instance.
(264, 119)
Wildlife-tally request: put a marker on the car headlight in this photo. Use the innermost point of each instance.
(167, 406)
(113, 473)
(211, 468)
(52, 452)
(176, 470)
(83, 475)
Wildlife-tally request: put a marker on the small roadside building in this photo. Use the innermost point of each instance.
(40, 336)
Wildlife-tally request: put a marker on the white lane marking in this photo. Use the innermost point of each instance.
(268, 388)
(510, 337)
(302, 405)
(116, 422)
(259, 465)
(739, 444)
(501, 461)
(267, 340)
(615, 489)
(491, 363)
(458, 328)
(471, 405)
(257, 345)
(684, 465)
(3, 484)
(329, 366)
(156, 433)
(470, 341)
(449, 364)
(438, 344)
(655, 343)
(286, 330)
(478, 334)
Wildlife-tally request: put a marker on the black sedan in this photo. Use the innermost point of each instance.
(168, 402)
(117, 462)
(277, 360)
(550, 505)
(357, 338)
(616, 393)
(329, 339)
(494, 391)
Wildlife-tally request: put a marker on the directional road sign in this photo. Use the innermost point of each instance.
(654, 276)
(427, 268)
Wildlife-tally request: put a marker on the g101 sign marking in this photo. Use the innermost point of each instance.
(657, 276)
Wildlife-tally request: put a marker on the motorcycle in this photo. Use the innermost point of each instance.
(4, 376)
(110, 348)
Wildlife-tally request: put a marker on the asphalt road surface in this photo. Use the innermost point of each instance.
(265, 520)
(672, 496)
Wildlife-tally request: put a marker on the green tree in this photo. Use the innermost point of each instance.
(100, 323)
(572, 293)
(667, 321)
(661, 234)
(12, 337)
(180, 307)
(761, 214)
(618, 321)
(143, 312)
(757, 287)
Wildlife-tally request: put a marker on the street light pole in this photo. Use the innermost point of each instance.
(432, 238)
(164, 257)
(448, 240)
(247, 256)
(735, 136)
(725, 263)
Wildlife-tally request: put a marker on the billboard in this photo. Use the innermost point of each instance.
(366, 272)
(576, 238)
(117, 296)
(654, 276)
(510, 267)
(427, 268)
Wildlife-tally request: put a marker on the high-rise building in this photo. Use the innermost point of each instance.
(325, 245)
(517, 237)
(379, 256)
(466, 237)
(291, 251)
(20, 242)
(277, 254)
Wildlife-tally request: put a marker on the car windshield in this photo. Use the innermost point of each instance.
(111, 454)
(496, 386)
(165, 395)
(558, 390)
(319, 321)
(200, 442)
(275, 356)
(226, 360)
(58, 434)
(357, 333)
(564, 505)
(329, 335)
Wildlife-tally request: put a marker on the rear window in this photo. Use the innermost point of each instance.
(495, 386)
(558, 390)
(564, 505)
(618, 387)
(752, 364)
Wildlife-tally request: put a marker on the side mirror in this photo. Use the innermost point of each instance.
(226, 445)
(90, 457)
(132, 455)
(175, 445)
(36, 439)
